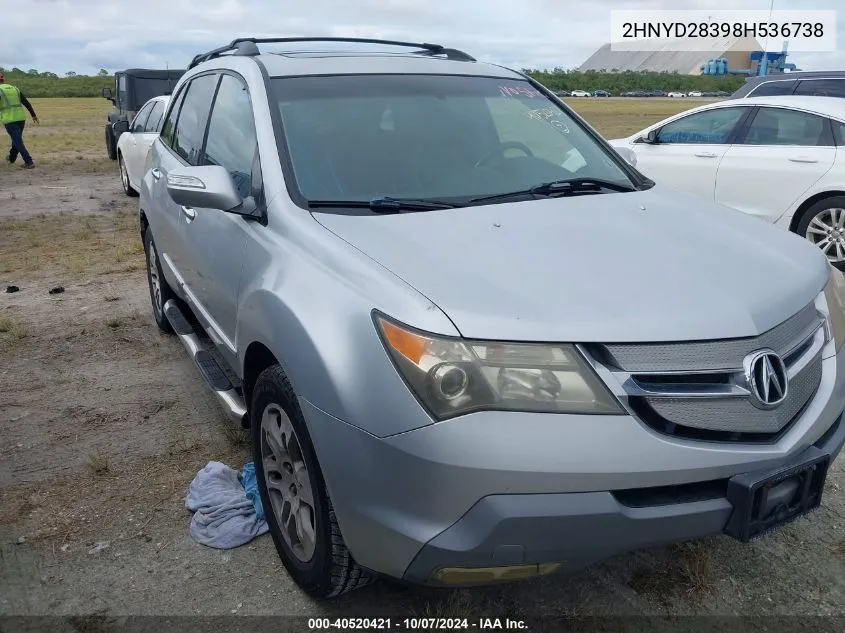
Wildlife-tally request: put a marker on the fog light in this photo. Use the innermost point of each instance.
(484, 575)
(449, 381)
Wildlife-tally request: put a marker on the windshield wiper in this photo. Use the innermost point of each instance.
(384, 205)
(572, 186)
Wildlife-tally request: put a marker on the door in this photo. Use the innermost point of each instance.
(180, 145)
(214, 241)
(143, 140)
(779, 155)
(129, 143)
(688, 150)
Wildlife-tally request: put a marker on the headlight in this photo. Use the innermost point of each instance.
(834, 294)
(456, 376)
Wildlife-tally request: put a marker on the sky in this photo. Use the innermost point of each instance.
(85, 35)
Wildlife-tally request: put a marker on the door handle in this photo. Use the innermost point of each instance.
(189, 212)
(706, 155)
(156, 173)
(803, 159)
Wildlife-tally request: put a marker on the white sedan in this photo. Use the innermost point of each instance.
(134, 144)
(781, 159)
(580, 93)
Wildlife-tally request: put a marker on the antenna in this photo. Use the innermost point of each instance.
(169, 79)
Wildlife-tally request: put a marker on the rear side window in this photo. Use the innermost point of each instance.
(773, 89)
(231, 141)
(779, 126)
(154, 121)
(822, 87)
(170, 122)
(193, 117)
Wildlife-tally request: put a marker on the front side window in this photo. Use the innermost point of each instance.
(774, 88)
(154, 121)
(231, 141)
(169, 126)
(779, 126)
(140, 119)
(193, 116)
(430, 137)
(709, 127)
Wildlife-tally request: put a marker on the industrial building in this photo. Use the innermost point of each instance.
(740, 55)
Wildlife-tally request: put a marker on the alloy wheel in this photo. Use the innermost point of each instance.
(827, 231)
(288, 483)
(155, 282)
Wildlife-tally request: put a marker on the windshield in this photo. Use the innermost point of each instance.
(430, 137)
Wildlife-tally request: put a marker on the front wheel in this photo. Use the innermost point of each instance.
(299, 512)
(111, 145)
(823, 224)
(128, 189)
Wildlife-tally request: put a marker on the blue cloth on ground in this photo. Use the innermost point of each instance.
(223, 516)
(251, 487)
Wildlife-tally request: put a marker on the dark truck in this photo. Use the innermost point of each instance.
(132, 89)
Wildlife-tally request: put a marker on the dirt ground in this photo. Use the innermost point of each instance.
(104, 422)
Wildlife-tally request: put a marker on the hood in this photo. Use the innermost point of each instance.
(654, 265)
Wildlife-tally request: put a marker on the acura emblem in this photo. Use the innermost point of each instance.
(767, 380)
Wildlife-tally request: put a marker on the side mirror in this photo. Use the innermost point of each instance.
(107, 94)
(205, 187)
(650, 138)
(119, 127)
(628, 154)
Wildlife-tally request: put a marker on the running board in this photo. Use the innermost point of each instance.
(207, 365)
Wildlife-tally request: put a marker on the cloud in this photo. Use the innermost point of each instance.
(86, 35)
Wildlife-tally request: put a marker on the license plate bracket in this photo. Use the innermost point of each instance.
(763, 501)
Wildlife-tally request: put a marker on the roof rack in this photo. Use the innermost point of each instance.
(248, 46)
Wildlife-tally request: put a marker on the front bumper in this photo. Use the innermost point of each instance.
(500, 489)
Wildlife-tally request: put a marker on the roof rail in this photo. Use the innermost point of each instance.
(248, 46)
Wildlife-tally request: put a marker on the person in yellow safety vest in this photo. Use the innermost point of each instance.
(13, 117)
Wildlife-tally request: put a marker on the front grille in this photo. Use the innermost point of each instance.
(710, 355)
(738, 415)
(699, 390)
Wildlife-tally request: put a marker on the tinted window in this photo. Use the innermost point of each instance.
(773, 88)
(152, 124)
(170, 122)
(822, 87)
(231, 141)
(140, 119)
(779, 126)
(193, 116)
(430, 137)
(839, 131)
(709, 127)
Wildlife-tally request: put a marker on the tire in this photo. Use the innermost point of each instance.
(160, 292)
(128, 189)
(828, 213)
(327, 569)
(111, 145)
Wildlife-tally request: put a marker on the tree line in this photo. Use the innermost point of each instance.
(47, 84)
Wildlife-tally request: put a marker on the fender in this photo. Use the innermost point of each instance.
(326, 341)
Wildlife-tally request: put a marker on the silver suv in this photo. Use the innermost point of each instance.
(472, 342)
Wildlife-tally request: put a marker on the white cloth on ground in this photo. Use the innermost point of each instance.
(223, 517)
